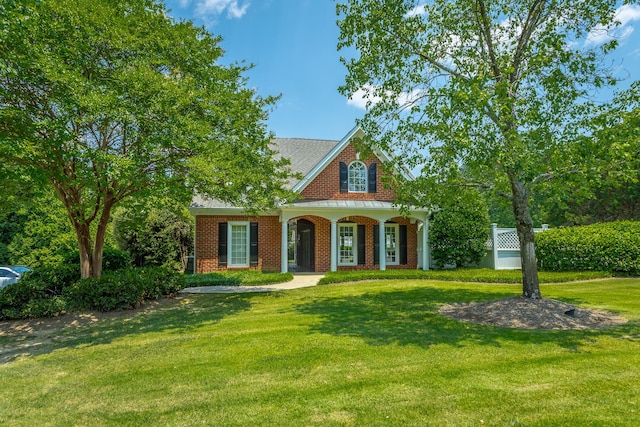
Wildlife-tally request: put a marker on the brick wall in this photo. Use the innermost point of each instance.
(327, 184)
(323, 244)
(269, 231)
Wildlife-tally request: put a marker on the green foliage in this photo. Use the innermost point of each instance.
(98, 99)
(610, 191)
(53, 278)
(42, 234)
(478, 275)
(495, 89)
(30, 297)
(11, 224)
(613, 247)
(123, 289)
(458, 232)
(112, 259)
(237, 278)
(50, 291)
(155, 236)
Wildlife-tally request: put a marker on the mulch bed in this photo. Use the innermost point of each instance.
(526, 313)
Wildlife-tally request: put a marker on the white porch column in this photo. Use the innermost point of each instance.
(284, 246)
(383, 246)
(334, 245)
(425, 244)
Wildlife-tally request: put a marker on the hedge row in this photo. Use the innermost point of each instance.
(42, 293)
(477, 275)
(238, 278)
(613, 247)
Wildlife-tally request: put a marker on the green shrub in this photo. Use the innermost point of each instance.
(53, 278)
(238, 278)
(43, 293)
(155, 236)
(161, 281)
(459, 230)
(613, 247)
(480, 275)
(29, 298)
(123, 289)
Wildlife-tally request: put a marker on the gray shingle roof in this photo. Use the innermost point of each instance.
(304, 154)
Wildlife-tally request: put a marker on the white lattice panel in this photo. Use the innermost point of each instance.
(489, 243)
(508, 240)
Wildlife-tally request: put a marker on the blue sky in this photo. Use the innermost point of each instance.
(292, 44)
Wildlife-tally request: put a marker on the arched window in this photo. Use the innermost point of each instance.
(358, 177)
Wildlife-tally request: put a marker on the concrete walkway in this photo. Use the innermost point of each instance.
(300, 280)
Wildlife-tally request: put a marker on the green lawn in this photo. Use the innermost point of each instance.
(370, 353)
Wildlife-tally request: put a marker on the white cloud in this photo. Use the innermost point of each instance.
(360, 98)
(625, 15)
(234, 8)
(367, 95)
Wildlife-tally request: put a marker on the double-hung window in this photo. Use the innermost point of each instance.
(391, 243)
(238, 239)
(347, 244)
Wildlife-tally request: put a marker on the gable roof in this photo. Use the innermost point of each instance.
(308, 157)
(331, 155)
(304, 154)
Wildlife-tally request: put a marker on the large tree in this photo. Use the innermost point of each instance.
(477, 92)
(106, 100)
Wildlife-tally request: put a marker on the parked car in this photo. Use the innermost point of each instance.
(11, 274)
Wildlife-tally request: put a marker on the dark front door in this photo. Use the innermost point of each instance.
(305, 246)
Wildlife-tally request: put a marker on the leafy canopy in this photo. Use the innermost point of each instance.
(106, 99)
(495, 86)
(478, 93)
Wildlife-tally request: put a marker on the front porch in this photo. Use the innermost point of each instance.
(331, 235)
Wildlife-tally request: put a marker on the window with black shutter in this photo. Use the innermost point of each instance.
(222, 244)
(372, 178)
(403, 244)
(253, 244)
(344, 178)
(361, 244)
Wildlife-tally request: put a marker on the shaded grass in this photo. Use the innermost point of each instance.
(238, 278)
(355, 354)
(481, 275)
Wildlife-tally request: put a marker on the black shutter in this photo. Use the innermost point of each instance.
(222, 244)
(253, 244)
(372, 178)
(344, 178)
(403, 244)
(376, 244)
(361, 245)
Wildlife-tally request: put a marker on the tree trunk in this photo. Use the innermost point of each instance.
(98, 245)
(524, 225)
(83, 235)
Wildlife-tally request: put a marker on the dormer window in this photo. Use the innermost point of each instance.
(357, 177)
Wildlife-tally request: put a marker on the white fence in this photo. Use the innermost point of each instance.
(503, 248)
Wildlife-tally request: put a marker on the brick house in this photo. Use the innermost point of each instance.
(344, 220)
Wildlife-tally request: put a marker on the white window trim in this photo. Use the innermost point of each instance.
(354, 247)
(230, 225)
(396, 231)
(366, 177)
